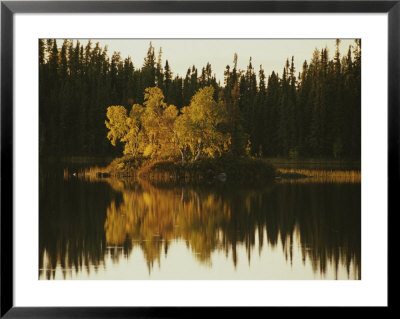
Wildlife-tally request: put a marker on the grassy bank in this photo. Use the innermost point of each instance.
(314, 163)
(224, 169)
(316, 170)
(293, 175)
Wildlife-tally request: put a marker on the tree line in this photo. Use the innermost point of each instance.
(313, 113)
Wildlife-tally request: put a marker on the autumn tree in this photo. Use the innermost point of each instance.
(155, 130)
(148, 130)
(158, 123)
(201, 125)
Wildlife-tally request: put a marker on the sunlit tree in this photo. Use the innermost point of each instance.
(201, 125)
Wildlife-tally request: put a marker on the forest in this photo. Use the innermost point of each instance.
(314, 112)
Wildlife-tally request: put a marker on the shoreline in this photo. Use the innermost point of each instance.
(222, 170)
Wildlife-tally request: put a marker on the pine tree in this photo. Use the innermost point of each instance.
(159, 71)
(167, 81)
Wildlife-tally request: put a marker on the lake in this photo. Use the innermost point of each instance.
(131, 229)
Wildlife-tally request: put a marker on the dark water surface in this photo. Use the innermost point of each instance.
(126, 229)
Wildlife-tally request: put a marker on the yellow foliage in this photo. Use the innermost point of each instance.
(147, 213)
(148, 150)
(199, 125)
(158, 131)
(117, 123)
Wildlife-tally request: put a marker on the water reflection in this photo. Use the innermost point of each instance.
(82, 224)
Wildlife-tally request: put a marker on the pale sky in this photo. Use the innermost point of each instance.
(183, 53)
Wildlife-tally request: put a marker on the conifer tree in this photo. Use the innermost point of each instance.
(314, 114)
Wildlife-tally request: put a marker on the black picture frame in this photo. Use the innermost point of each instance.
(9, 8)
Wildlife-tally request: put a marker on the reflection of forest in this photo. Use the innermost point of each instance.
(71, 223)
(323, 219)
(151, 217)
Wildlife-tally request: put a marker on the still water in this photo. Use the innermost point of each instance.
(129, 229)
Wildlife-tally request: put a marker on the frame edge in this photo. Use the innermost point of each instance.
(393, 119)
(6, 221)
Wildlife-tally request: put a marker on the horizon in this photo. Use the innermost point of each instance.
(184, 53)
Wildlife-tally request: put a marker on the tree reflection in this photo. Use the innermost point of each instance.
(71, 224)
(328, 229)
(153, 217)
(82, 222)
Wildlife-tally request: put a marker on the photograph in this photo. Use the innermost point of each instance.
(199, 159)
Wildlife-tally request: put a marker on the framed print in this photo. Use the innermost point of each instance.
(163, 155)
